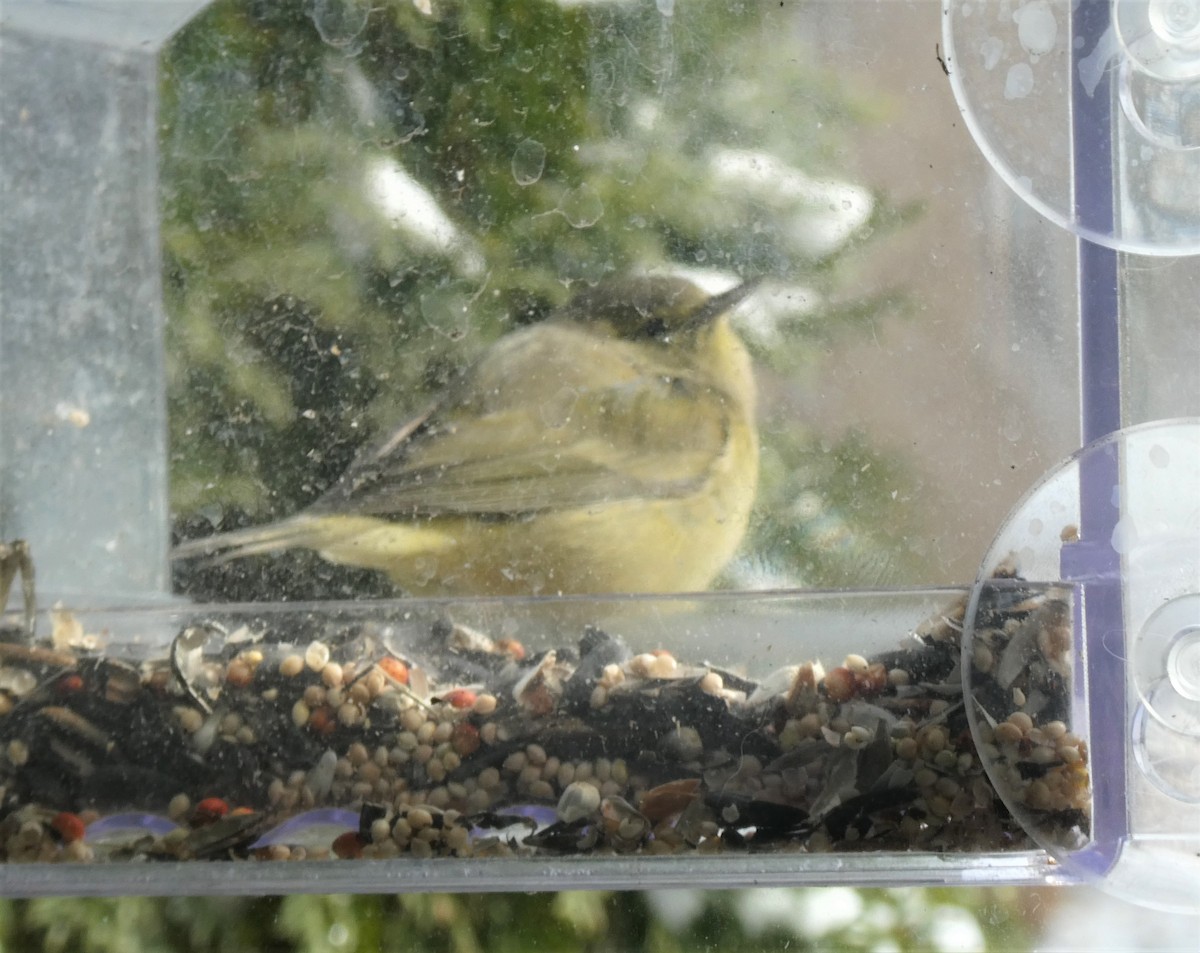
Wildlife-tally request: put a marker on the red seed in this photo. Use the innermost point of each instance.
(511, 647)
(68, 826)
(239, 674)
(873, 680)
(465, 739)
(322, 720)
(459, 697)
(840, 684)
(208, 811)
(70, 684)
(348, 846)
(669, 799)
(394, 668)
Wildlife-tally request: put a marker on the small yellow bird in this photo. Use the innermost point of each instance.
(610, 448)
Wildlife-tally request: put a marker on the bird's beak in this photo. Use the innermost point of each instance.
(719, 304)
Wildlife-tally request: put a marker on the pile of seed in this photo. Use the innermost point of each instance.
(1021, 668)
(351, 743)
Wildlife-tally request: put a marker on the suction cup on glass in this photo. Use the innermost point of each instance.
(1089, 110)
(1082, 664)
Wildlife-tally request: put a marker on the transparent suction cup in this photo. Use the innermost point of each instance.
(1089, 110)
(1082, 643)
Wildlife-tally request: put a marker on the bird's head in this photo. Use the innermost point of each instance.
(661, 308)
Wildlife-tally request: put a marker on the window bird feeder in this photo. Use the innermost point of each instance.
(240, 242)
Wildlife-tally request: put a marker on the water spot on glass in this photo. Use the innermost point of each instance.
(1125, 536)
(408, 123)
(581, 207)
(400, 73)
(665, 7)
(604, 76)
(424, 570)
(992, 50)
(447, 313)
(528, 161)
(524, 60)
(556, 412)
(1036, 526)
(1160, 456)
(1012, 425)
(1019, 82)
(701, 256)
(1093, 66)
(341, 22)
(1037, 29)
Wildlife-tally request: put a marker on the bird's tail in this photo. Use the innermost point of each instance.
(298, 531)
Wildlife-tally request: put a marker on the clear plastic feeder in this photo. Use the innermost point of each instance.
(248, 246)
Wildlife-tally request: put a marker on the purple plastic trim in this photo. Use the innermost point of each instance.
(1093, 562)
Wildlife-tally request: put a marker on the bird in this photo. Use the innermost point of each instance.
(610, 448)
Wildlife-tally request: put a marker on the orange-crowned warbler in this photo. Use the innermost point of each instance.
(610, 448)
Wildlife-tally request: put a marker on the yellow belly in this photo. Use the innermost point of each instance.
(660, 545)
(675, 544)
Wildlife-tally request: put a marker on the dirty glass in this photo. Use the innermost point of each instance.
(583, 423)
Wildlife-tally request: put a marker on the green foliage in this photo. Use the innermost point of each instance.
(134, 925)
(755, 921)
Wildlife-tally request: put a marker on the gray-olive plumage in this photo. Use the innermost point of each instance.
(609, 448)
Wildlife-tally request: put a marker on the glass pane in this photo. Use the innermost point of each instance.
(584, 422)
(362, 201)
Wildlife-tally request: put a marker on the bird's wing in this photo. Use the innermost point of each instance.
(553, 418)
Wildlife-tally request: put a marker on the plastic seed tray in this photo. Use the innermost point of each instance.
(417, 741)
